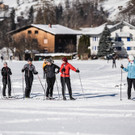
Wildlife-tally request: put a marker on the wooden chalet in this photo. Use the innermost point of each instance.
(51, 38)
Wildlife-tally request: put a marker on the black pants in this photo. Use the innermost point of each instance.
(5, 83)
(114, 65)
(50, 84)
(44, 75)
(130, 82)
(64, 81)
(28, 81)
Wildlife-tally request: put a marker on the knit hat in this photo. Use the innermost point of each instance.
(30, 59)
(49, 60)
(5, 63)
(64, 59)
(131, 57)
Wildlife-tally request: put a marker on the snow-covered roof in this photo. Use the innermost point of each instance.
(123, 34)
(54, 29)
(57, 29)
(98, 30)
(95, 31)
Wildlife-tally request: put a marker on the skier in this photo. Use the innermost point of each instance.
(131, 74)
(114, 62)
(44, 64)
(50, 69)
(65, 77)
(6, 72)
(29, 71)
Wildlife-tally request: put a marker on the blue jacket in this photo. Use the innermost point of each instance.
(131, 70)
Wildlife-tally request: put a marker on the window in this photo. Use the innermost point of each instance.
(29, 32)
(128, 39)
(94, 47)
(95, 38)
(119, 39)
(118, 48)
(36, 32)
(45, 41)
(128, 48)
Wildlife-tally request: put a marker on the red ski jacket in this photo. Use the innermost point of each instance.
(67, 67)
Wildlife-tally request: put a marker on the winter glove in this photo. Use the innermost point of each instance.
(22, 70)
(57, 72)
(36, 73)
(63, 70)
(77, 71)
(122, 66)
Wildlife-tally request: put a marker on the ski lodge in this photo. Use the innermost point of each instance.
(122, 36)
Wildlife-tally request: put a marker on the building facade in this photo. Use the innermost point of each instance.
(122, 35)
(50, 38)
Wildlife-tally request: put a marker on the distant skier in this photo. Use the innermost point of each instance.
(29, 71)
(114, 62)
(65, 77)
(6, 72)
(131, 74)
(50, 69)
(107, 57)
(44, 64)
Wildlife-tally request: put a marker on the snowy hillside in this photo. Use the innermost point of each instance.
(112, 6)
(99, 113)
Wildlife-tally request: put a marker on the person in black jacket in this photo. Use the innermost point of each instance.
(6, 72)
(50, 70)
(29, 71)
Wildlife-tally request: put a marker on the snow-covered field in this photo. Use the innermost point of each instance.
(100, 113)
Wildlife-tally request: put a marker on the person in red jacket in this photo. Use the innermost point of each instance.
(65, 77)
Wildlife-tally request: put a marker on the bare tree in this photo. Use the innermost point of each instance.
(23, 44)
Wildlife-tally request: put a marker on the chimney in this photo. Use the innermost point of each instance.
(49, 25)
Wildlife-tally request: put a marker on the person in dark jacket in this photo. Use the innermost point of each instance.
(29, 70)
(114, 62)
(6, 72)
(50, 70)
(65, 77)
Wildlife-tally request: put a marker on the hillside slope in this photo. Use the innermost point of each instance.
(113, 7)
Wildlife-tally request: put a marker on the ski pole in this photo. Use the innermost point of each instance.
(0, 90)
(81, 85)
(121, 87)
(23, 85)
(12, 88)
(57, 88)
(42, 86)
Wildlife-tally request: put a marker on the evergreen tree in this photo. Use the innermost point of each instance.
(39, 17)
(31, 15)
(59, 12)
(12, 16)
(105, 43)
(84, 43)
(67, 4)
